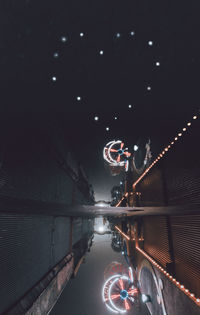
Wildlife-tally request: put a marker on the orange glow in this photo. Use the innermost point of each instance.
(122, 233)
(173, 280)
(127, 307)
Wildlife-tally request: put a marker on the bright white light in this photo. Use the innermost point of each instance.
(150, 43)
(115, 118)
(107, 128)
(54, 79)
(121, 183)
(63, 39)
(148, 88)
(135, 147)
(81, 34)
(78, 98)
(132, 33)
(129, 106)
(56, 55)
(145, 298)
(101, 52)
(101, 229)
(122, 253)
(96, 118)
(157, 63)
(118, 35)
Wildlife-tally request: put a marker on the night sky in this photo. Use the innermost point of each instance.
(109, 54)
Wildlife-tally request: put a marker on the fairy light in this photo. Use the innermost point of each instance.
(189, 124)
(180, 134)
(194, 117)
(173, 280)
(170, 277)
(184, 129)
(122, 233)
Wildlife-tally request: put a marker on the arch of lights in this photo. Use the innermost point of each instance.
(119, 291)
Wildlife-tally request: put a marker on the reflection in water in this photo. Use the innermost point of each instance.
(107, 282)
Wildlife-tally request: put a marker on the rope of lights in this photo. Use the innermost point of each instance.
(165, 150)
(161, 269)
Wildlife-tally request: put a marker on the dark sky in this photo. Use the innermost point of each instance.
(33, 31)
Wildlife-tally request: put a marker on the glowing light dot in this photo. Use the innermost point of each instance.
(175, 138)
(78, 98)
(148, 88)
(184, 129)
(194, 117)
(115, 117)
(132, 33)
(107, 128)
(182, 286)
(81, 34)
(129, 106)
(56, 55)
(54, 79)
(63, 39)
(157, 63)
(135, 147)
(186, 290)
(118, 35)
(180, 134)
(198, 300)
(101, 52)
(192, 295)
(166, 149)
(150, 43)
(96, 118)
(189, 124)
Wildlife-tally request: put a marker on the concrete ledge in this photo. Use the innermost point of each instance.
(42, 297)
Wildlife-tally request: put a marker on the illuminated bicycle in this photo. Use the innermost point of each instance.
(119, 293)
(116, 155)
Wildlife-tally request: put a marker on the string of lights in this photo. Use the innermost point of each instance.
(166, 149)
(161, 269)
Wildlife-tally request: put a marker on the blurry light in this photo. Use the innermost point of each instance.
(129, 106)
(96, 118)
(78, 98)
(135, 147)
(118, 35)
(132, 33)
(180, 134)
(56, 55)
(184, 129)
(157, 63)
(172, 142)
(101, 229)
(101, 52)
(148, 88)
(189, 124)
(194, 117)
(145, 298)
(63, 39)
(175, 138)
(81, 34)
(115, 118)
(121, 183)
(150, 43)
(107, 128)
(54, 78)
(122, 253)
